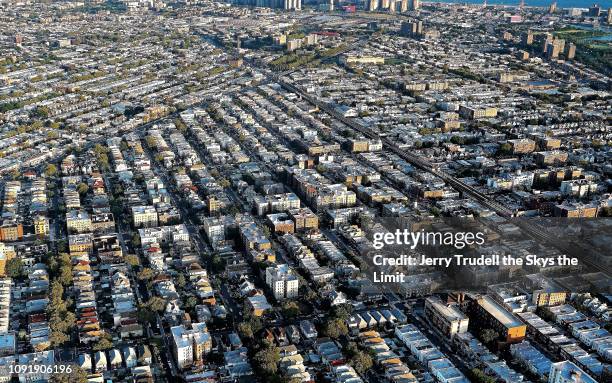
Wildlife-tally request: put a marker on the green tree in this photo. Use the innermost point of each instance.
(82, 188)
(104, 343)
(156, 304)
(505, 148)
(61, 320)
(245, 330)
(343, 311)
(224, 183)
(181, 281)
(40, 112)
(361, 362)
(60, 267)
(488, 336)
(76, 375)
(180, 125)
(266, 359)
(478, 376)
(145, 274)
(335, 328)
(14, 268)
(15, 174)
(50, 170)
(191, 302)
(145, 314)
(132, 260)
(136, 239)
(290, 309)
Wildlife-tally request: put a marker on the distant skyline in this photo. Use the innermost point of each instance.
(534, 3)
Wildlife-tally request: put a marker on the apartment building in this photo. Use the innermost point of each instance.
(78, 221)
(447, 318)
(144, 216)
(190, 345)
(487, 313)
(41, 225)
(282, 281)
(304, 218)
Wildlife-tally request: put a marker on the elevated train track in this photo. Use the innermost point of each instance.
(585, 255)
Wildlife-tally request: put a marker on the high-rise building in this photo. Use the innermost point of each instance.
(595, 10)
(609, 18)
(384, 4)
(553, 7)
(528, 38)
(548, 38)
(404, 7)
(571, 51)
(554, 48)
(415, 4)
(372, 5)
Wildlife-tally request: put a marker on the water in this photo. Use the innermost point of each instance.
(534, 3)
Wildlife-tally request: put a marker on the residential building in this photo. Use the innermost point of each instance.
(446, 317)
(190, 345)
(282, 281)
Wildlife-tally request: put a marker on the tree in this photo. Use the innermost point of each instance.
(76, 375)
(14, 268)
(40, 112)
(156, 304)
(136, 239)
(50, 170)
(65, 274)
(151, 141)
(505, 148)
(181, 281)
(478, 376)
(145, 274)
(191, 302)
(361, 362)
(290, 309)
(488, 336)
(335, 328)
(245, 330)
(57, 338)
(145, 314)
(180, 125)
(267, 358)
(61, 320)
(132, 260)
(82, 188)
(458, 140)
(104, 343)
(217, 263)
(343, 311)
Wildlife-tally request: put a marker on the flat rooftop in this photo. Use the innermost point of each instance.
(500, 313)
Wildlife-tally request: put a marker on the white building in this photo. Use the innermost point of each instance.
(283, 282)
(190, 345)
(447, 318)
(568, 372)
(144, 216)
